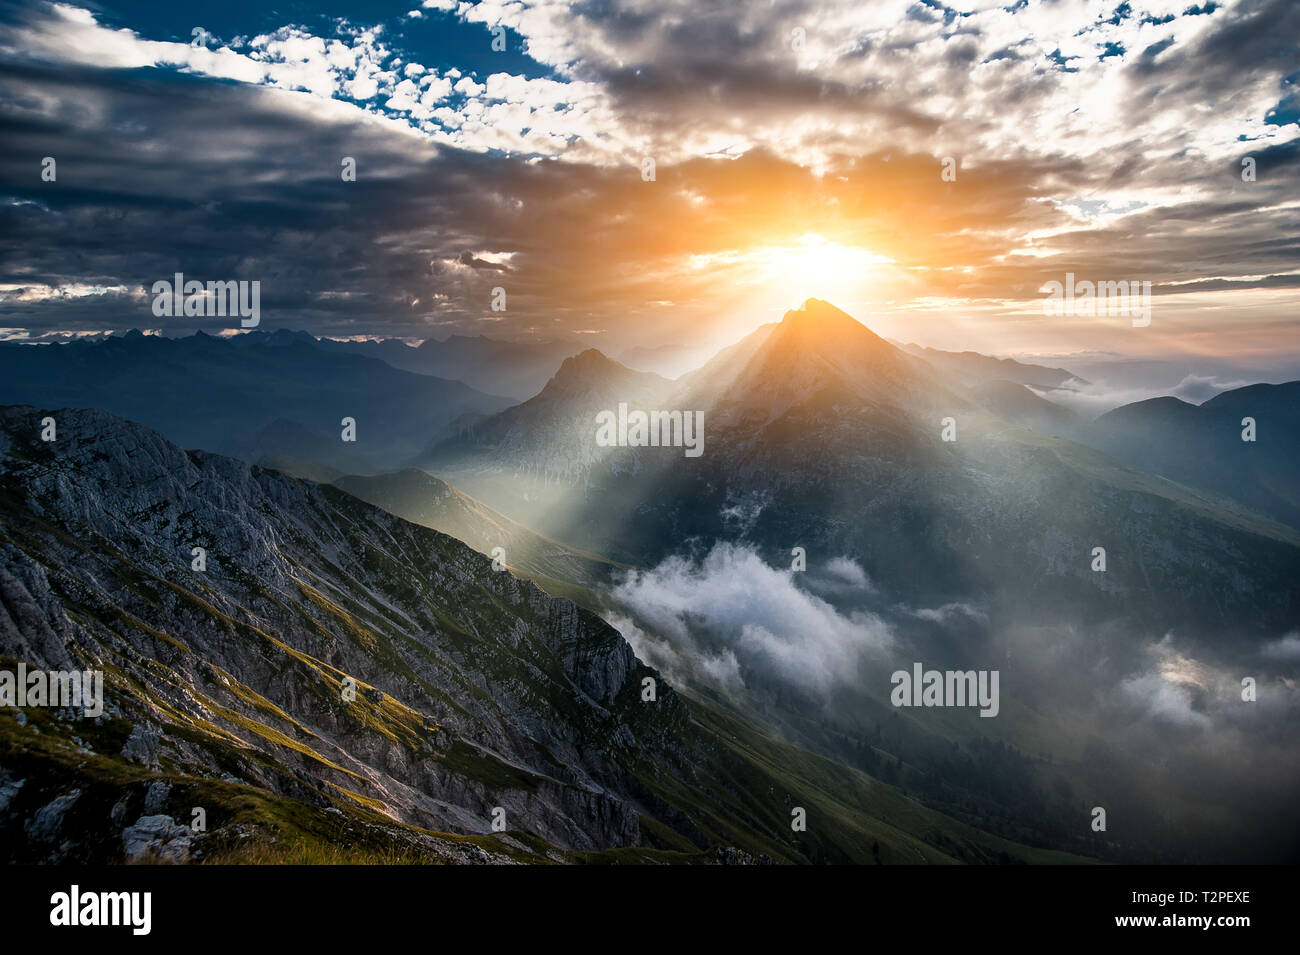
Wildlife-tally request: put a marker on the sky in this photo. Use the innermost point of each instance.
(928, 167)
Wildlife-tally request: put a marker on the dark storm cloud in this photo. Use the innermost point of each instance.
(468, 258)
(177, 173)
(162, 171)
(159, 173)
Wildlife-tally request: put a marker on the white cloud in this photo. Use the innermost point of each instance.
(1163, 699)
(37, 292)
(849, 572)
(1201, 388)
(983, 87)
(947, 612)
(745, 614)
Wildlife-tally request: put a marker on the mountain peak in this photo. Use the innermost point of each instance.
(821, 325)
(816, 310)
(592, 359)
(816, 351)
(592, 367)
(592, 374)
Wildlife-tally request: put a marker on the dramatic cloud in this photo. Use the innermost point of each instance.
(734, 612)
(795, 144)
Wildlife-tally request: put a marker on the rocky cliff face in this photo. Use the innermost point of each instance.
(473, 690)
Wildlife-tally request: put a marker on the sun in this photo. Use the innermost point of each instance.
(813, 266)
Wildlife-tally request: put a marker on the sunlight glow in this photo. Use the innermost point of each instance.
(815, 267)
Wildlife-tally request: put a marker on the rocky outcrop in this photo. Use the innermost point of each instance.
(157, 838)
(324, 647)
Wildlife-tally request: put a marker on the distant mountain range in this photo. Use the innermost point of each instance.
(247, 396)
(970, 367)
(517, 370)
(1202, 445)
(279, 399)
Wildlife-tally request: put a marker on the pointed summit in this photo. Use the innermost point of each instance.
(553, 433)
(591, 361)
(583, 371)
(819, 334)
(594, 372)
(817, 311)
(817, 352)
(820, 319)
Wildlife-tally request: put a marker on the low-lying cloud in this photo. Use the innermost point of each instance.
(732, 614)
(1092, 399)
